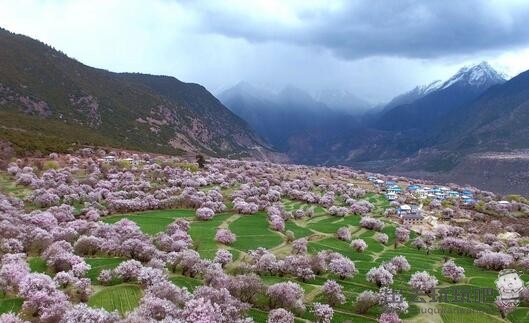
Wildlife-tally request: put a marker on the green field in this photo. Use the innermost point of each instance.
(9, 187)
(122, 298)
(98, 264)
(10, 305)
(152, 222)
(37, 265)
(253, 231)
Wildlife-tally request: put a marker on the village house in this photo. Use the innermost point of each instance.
(468, 200)
(453, 194)
(109, 159)
(393, 189)
(391, 196)
(403, 209)
(132, 161)
(410, 214)
(412, 219)
(436, 193)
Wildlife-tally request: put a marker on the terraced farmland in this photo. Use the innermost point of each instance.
(122, 298)
(229, 239)
(253, 231)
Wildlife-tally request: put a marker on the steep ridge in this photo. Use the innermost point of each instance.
(45, 94)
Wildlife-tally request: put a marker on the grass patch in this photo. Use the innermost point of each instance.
(152, 222)
(122, 298)
(99, 264)
(188, 282)
(9, 187)
(252, 232)
(37, 265)
(10, 305)
(203, 234)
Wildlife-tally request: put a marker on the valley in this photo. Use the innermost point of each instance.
(300, 174)
(142, 231)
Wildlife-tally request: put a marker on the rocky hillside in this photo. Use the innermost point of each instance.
(497, 121)
(49, 101)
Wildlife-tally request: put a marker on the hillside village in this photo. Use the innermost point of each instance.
(408, 203)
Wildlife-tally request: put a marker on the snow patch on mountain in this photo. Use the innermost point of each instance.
(478, 75)
(425, 89)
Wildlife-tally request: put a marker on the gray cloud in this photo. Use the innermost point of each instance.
(405, 28)
(375, 49)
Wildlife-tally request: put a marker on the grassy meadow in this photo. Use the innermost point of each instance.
(253, 231)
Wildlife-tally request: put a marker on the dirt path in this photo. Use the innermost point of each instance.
(425, 316)
(226, 223)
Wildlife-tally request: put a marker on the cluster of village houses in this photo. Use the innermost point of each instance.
(110, 159)
(411, 214)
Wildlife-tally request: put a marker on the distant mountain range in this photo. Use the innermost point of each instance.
(498, 120)
(438, 100)
(431, 129)
(472, 121)
(310, 131)
(49, 102)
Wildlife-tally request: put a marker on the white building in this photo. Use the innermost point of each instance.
(391, 196)
(109, 159)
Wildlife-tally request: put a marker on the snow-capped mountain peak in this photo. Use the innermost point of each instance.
(479, 75)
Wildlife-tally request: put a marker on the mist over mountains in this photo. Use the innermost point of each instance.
(431, 129)
(50, 102)
(282, 117)
(408, 123)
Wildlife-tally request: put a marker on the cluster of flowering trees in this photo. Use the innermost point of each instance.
(391, 301)
(61, 239)
(62, 236)
(494, 260)
(301, 265)
(423, 282)
(359, 245)
(453, 272)
(371, 223)
(287, 295)
(122, 191)
(343, 233)
(225, 236)
(383, 275)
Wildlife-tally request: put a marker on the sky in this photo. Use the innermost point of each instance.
(374, 49)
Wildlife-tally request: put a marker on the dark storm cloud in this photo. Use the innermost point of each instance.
(356, 29)
(374, 49)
